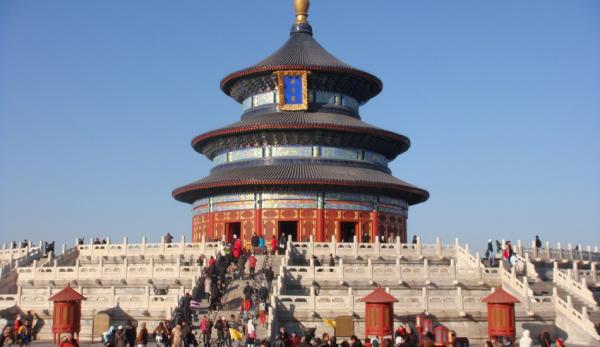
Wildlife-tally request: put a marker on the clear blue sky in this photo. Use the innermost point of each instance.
(99, 101)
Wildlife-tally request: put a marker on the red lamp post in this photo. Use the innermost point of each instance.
(379, 317)
(67, 313)
(501, 314)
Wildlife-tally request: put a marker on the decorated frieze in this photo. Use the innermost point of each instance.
(325, 152)
(319, 97)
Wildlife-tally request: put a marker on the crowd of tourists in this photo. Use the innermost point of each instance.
(22, 331)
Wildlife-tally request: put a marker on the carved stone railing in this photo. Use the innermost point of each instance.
(370, 250)
(519, 287)
(97, 298)
(101, 270)
(424, 300)
(560, 253)
(567, 282)
(581, 318)
(148, 249)
(398, 272)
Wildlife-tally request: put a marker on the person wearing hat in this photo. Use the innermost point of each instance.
(120, 338)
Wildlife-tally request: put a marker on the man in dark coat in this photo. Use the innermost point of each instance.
(248, 291)
(269, 276)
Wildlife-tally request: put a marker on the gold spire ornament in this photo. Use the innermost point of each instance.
(301, 7)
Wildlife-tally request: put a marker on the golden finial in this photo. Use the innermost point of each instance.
(301, 7)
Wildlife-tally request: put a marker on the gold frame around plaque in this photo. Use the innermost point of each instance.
(287, 107)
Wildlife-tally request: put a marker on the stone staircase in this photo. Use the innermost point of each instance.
(543, 285)
(233, 297)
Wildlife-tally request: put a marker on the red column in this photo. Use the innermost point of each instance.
(258, 221)
(375, 224)
(320, 225)
(211, 225)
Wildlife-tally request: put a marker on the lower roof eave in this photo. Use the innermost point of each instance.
(193, 192)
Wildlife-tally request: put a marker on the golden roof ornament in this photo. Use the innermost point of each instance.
(301, 7)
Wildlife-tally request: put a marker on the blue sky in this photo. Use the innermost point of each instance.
(99, 102)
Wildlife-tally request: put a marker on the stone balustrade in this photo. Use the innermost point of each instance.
(398, 272)
(591, 275)
(567, 282)
(118, 271)
(98, 299)
(409, 301)
(8, 255)
(581, 318)
(126, 249)
(560, 253)
(371, 250)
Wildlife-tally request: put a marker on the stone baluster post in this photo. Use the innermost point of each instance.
(570, 301)
(479, 265)
(63, 249)
(143, 245)
(311, 245)
(108, 240)
(355, 247)
(555, 271)
(341, 271)
(519, 247)
(426, 272)
(534, 250)
(351, 301)
(147, 297)
(152, 271)
(399, 271)
(547, 249)
(456, 247)
(313, 301)
(559, 250)
(33, 268)
(77, 268)
(332, 246)
(438, 247)
(100, 266)
(594, 272)
(419, 247)
(370, 271)
(589, 251)
(527, 297)
(377, 247)
(584, 312)
(126, 267)
(425, 300)
(460, 302)
(575, 273)
(182, 245)
(453, 271)
(570, 248)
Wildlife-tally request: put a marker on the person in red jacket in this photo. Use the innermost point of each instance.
(237, 248)
(252, 265)
(273, 245)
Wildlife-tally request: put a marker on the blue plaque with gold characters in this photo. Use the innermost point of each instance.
(293, 90)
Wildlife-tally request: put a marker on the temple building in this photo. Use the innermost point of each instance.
(300, 161)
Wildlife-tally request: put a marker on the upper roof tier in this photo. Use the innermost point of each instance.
(302, 52)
